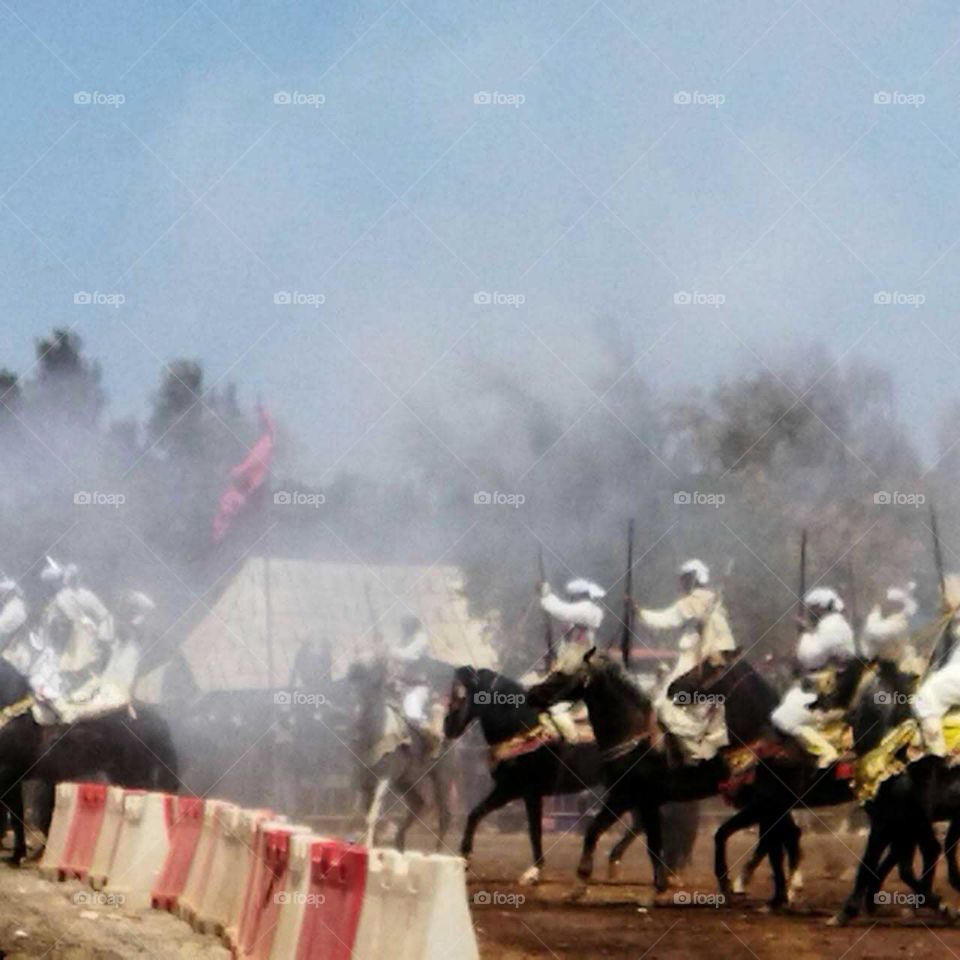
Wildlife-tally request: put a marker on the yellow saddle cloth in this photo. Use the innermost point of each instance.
(899, 747)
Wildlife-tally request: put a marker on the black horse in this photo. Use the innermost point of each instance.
(785, 779)
(503, 711)
(636, 761)
(906, 805)
(128, 747)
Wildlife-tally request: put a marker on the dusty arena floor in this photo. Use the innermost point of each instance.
(621, 920)
(43, 919)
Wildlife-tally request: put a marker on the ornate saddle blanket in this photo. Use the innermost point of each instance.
(742, 762)
(572, 726)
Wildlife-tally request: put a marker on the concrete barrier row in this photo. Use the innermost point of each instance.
(270, 889)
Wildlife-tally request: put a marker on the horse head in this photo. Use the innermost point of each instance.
(499, 703)
(880, 703)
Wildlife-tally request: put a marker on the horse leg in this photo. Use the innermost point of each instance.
(611, 810)
(930, 852)
(651, 824)
(13, 805)
(440, 797)
(773, 833)
(950, 853)
(877, 843)
(739, 821)
(414, 802)
(791, 842)
(373, 814)
(534, 804)
(623, 844)
(498, 797)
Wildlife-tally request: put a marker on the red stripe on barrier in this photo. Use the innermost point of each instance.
(91, 803)
(338, 876)
(184, 816)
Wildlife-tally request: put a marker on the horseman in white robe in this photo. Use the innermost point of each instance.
(939, 691)
(579, 617)
(76, 637)
(886, 632)
(699, 725)
(826, 644)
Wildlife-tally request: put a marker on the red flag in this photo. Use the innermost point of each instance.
(246, 478)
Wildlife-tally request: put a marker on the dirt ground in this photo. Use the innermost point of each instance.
(614, 919)
(621, 919)
(69, 921)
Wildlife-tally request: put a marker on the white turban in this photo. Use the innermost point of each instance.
(580, 585)
(825, 598)
(698, 570)
(905, 597)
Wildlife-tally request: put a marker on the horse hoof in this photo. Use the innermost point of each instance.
(948, 913)
(614, 870)
(530, 877)
(577, 893)
(739, 886)
(838, 920)
(796, 881)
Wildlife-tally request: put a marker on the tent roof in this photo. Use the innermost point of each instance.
(249, 638)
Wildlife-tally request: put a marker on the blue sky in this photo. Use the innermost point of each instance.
(782, 186)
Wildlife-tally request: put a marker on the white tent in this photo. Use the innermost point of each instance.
(248, 639)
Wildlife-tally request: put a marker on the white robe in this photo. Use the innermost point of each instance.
(831, 639)
(701, 727)
(888, 638)
(941, 689)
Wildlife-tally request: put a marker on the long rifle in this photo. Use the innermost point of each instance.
(801, 597)
(944, 645)
(627, 636)
(548, 625)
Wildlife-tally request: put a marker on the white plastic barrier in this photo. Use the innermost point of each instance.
(249, 822)
(107, 841)
(141, 848)
(65, 803)
(219, 908)
(415, 908)
(196, 886)
(287, 933)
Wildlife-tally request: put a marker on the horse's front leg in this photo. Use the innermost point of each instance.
(739, 821)
(611, 809)
(534, 804)
(620, 848)
(653, 827)
(498, 797)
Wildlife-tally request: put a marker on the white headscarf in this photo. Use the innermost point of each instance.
(698, 570)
